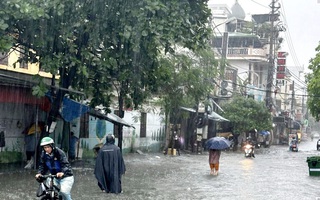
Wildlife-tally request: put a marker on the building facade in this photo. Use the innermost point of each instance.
(244, 42)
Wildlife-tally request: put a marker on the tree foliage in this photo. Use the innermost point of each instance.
(91, 44)
(246, 114)
(100, 46)
(313, 88)
(187, 76)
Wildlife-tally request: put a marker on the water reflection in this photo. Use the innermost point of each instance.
(155, 176)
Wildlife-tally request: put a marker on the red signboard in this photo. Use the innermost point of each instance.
(282, 54)
(281, 68)
(280, 75)
(281, 61)
(281, 64)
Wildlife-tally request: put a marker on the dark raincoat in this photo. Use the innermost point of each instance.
(109, 168)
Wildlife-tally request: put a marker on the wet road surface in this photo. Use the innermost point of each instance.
(275, 173)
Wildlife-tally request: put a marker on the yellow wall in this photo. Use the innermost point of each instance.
(32, 69)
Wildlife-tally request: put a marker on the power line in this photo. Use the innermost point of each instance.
(259, 4)
(297, 78)
(288, 36)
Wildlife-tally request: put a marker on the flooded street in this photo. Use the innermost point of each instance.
(275, 173)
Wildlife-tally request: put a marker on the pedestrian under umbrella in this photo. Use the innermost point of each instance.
(214, 157)
(215, 145)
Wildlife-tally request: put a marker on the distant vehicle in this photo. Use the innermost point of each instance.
(316, 135)
(318, 145)
(248, 151)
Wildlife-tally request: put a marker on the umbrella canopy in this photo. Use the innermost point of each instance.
(264, 133)
(219, 143)
(34, 128)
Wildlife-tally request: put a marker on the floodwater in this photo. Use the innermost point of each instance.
(275, 173)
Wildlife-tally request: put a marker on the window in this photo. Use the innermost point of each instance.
(4, 58)
(23, 63)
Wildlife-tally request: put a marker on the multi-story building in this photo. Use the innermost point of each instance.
(245, 45)
(246, 53)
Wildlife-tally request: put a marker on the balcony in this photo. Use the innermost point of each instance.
(246, 53)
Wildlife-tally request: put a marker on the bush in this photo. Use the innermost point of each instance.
(88, 153)
(10, 157)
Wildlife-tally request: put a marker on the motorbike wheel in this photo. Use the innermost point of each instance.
(49, 198)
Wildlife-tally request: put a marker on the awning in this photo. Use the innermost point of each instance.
(212, 116)
(188, 109)
(216, 117)
(19, 95)
(109, 117)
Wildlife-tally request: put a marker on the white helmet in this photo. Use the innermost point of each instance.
(46, 141)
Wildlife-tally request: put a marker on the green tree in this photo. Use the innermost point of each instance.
(246, 114)
(140, 34)
(100, 46)
(313, 88)
(188, 78)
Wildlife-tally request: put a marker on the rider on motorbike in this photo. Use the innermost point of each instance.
(249, 141)
(293, 142)
(55, 161)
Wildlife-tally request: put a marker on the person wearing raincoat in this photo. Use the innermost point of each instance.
(214, 157)
(109, 167)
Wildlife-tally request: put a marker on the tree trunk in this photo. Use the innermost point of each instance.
(120, 126)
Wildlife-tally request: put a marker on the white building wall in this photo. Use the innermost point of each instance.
(154, 131)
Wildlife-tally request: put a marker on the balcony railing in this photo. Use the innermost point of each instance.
(245, 52)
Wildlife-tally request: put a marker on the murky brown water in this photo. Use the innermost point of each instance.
(275, 173)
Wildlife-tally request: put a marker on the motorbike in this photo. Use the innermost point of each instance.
(248, 151)
(294, 147)
(48, 190)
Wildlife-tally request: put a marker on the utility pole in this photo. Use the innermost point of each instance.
(271, 54)
(291, 110)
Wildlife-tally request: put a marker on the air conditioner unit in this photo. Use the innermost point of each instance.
(226, 88)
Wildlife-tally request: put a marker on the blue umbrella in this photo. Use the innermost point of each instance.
(219, 143)
(264, 133)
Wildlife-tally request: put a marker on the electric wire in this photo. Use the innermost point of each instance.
(295, 59)
(288, 36)
(259, 4)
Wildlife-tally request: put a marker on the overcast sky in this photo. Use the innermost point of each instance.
(301, 17)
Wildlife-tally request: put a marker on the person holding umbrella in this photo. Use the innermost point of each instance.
(215, 145)
(214, 157)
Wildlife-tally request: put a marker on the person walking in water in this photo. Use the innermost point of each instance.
(109, 167)
(214, 157)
